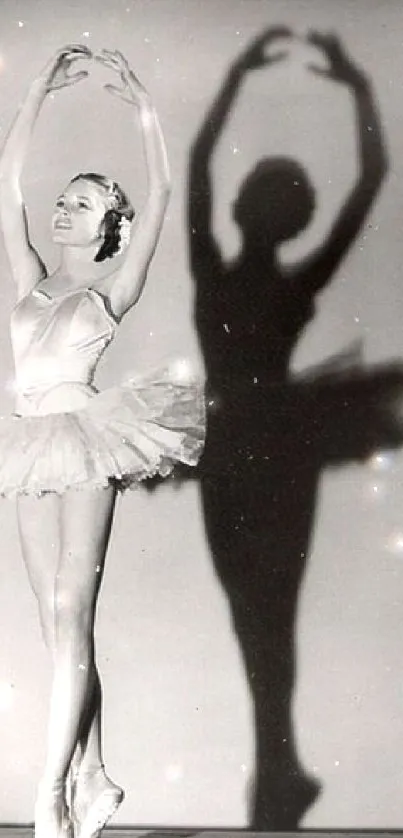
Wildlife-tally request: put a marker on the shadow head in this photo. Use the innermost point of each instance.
(275, 202)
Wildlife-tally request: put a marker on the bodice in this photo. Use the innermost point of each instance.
(57, 343)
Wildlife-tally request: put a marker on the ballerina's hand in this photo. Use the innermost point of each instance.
(340, 66)
(131, 91)
(56, 72)
(257, 54)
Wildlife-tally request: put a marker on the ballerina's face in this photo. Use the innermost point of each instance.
(78, 217)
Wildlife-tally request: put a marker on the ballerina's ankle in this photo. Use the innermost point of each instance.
(90, 771)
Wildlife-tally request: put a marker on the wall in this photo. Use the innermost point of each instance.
(179, 731)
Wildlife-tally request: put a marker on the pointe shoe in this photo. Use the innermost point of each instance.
(98, 814)
(51, 814)
(101, 811)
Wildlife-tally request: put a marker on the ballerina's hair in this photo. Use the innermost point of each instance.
(116, 218)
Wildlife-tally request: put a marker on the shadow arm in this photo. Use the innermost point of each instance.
(319, 268)
(204, 251)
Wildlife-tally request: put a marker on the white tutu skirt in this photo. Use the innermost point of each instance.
(121, 435)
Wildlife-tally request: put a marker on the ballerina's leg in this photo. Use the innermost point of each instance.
(39, 530)
(84, 520)
(94, 796)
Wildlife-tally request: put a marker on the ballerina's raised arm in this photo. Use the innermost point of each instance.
(129, 279)
(26, 265)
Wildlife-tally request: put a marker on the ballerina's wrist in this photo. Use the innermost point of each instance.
(144, 101)
(40, 87)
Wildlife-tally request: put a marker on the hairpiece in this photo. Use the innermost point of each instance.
(124, 234)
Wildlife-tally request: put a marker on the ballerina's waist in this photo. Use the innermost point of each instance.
(63, 397)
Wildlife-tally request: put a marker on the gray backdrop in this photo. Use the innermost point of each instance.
(178, 710)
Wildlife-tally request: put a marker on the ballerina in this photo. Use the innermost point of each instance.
(66, 436)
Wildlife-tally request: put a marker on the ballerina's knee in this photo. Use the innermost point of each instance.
(73, 616)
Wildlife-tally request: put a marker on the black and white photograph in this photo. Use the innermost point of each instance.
(201, 417)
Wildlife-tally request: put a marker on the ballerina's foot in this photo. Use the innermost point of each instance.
(95, 799)
(51, 813)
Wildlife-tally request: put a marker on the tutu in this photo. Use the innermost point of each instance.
(123, 434)
(65, 434)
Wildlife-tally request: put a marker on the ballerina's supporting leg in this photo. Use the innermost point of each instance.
(94, 797)
(39, 530)
(82, 523)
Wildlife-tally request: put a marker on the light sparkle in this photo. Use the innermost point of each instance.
(394, 543)
(381, 461)
(377, 491)
(181, 371)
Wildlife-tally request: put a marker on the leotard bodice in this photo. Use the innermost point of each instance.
(57, 343)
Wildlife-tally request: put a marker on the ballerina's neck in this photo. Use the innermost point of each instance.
(78, 264)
